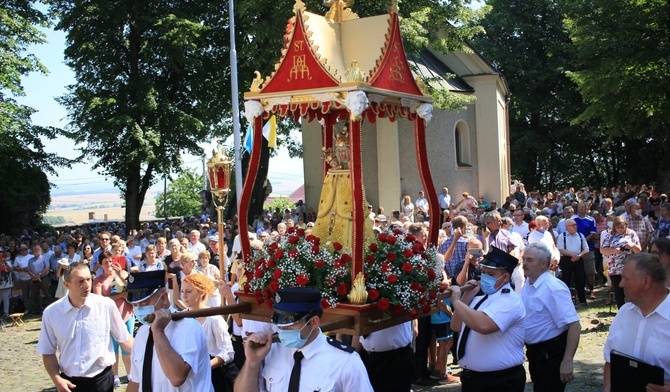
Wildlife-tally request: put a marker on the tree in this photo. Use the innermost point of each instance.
(151, 80)
(22, 154)
(183, 196)
(622, 51)
(530, 43)
(280, 202)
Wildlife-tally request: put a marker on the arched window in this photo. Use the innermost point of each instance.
(462, 143)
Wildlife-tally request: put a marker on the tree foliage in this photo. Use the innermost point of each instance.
(22, 154)
(151, 80)
(183, 196)
(622, 49)
(531, 44)
(280, 202)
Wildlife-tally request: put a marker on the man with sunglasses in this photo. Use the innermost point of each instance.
(305, 359)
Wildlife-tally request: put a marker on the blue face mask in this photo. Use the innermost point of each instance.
(488, 284)
(143, 311)
(291, 337)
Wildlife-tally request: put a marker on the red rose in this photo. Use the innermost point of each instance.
(317, 240)
(390, 256)
(338, 263)
(249, 275)
(301, 232)
(258, 274)
(272, 263)
(382, 237)
(422, 289)
(417, 249)
(302, 279)
(273, 246)
(397, 231)
(426, 308)
(424, 256)
(337, 246)
(391, 240)
(315, 249)
(383, 304)
(370, 259)
(319, 263)
(246, 287)
(293, 253)
(279, 254)
(373, 294)
(410, 237)
(432, 294)
(422, 301)
(408, 253)
(398, 308)
(346, 258)
(431, 274)
(342, 289)
(386, 267)
(274, 286)
(259, 264)
(414, 286)
(291, 230)
(407, 267)
(276, 274)
(293, 239)
(392, 278)
(373, 247)
(310, 238)
(413, 314)
(325, 304)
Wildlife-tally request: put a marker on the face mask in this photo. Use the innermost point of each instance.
(152, 241)
(291, 337)
(610, 225)
(638, 212)
(488, 284)
(143, 311)
(542, 230)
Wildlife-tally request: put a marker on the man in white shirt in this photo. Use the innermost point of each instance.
(194, 242)
(572, 246)
(551, 324)
(641, 328)
(520, 226)
(444, 199)
(78, 326)
(179, 358)
(421, 205)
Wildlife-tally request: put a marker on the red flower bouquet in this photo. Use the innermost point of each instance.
(400, 274)
(299, 260)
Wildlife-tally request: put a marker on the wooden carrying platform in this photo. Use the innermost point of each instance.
(345, 318)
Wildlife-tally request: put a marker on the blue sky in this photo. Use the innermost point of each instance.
(285, 173)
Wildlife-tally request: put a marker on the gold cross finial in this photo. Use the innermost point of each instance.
(339, 10)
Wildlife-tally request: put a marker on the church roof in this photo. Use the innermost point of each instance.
(429, 67)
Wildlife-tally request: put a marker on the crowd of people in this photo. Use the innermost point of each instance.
(517, 275)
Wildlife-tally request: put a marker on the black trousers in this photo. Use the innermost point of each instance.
(103, 382)
(238, 346)
(576, 269)
(506, 380)
(390, 371)
(421, 350)
(544, 363)
(619, 294)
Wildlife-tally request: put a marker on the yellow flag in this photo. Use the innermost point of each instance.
(270, 132)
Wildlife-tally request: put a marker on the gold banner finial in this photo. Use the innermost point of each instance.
(298, 6)
(256, 82)
(393, 9)
(339, 10)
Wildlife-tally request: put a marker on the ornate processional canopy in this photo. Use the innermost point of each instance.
(325, 58)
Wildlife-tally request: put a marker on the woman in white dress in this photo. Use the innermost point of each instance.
(408, 208)
(195, 289)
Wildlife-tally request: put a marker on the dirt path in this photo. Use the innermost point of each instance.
(21, 368)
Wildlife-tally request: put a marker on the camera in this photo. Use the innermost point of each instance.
(623, 248)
